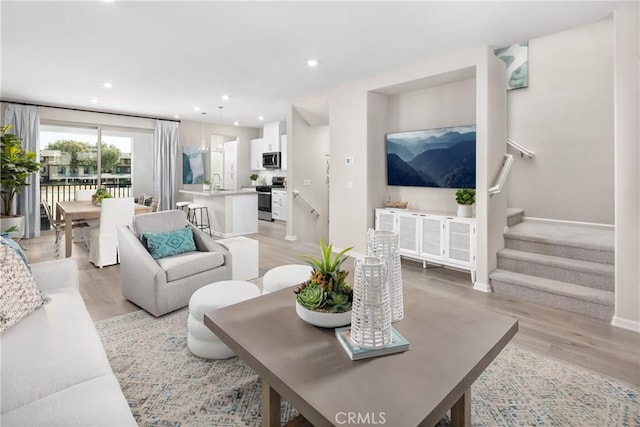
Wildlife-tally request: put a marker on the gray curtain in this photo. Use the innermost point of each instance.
(25, 123)
(166, 163)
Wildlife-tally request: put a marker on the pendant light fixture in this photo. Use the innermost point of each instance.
(204, 143)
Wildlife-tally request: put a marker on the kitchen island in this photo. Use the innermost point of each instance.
(232, 213)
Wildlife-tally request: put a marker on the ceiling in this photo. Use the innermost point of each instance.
(163, 58)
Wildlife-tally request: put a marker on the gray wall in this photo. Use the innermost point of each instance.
(566, 117)
(190, 134)
(627, 104)
(448, 105)
(310, 160)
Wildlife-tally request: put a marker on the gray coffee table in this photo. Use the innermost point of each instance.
(451, 345)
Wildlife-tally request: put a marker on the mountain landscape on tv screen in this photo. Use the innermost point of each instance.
(433, 158)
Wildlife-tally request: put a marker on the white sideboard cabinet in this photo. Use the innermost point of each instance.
(437, 238)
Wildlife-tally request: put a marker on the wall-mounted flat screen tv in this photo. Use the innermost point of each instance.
(444, 157)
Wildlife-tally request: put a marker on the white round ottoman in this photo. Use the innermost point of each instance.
(200, 340)
(285, 276)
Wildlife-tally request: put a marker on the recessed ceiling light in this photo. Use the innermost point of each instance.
(108, 85)
(94, 100)
(196, 108)
(260, 118)
(236, 123)
(175, 116)
(225, 97)
(312, 63)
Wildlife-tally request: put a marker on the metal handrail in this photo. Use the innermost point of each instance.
(522, 149)
(296, 193)
(502, 176)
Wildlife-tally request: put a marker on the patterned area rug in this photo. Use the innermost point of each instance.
(167, 386)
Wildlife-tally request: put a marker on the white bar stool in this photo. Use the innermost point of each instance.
(182, 205)
(194, 208)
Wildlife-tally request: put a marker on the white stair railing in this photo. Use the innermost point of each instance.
(502, 176)
(296, 193)
(524, 151)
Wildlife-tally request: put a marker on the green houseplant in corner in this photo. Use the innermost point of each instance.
(465, 197)
(17, 165)
(325, 299)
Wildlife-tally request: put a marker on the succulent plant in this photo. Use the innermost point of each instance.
(328, 277)
(100, 194)
(312, 297)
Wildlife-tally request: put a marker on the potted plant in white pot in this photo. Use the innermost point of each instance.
(206, 185)
(465, 197)
(254, 179)
(16, 166)
(325, 299)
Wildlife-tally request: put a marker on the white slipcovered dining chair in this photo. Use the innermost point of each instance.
(114, 212)
(84, 195)
(82, 234)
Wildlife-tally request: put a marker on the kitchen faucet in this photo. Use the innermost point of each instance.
(218, 185)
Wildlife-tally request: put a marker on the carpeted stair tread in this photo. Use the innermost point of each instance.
(585, 273)
(565, 289)
(565, 235)
(514, 216)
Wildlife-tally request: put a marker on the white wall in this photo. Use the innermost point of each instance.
(309, 160)
(566, 117)
(190, 134)
(448, 105)
(627, 160)
(377, 124)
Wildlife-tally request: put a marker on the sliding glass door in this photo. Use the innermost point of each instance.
(71, 159)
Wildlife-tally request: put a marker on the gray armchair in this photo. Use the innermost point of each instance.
(166, 284)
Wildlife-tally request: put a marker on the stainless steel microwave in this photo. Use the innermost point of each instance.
(271, 160)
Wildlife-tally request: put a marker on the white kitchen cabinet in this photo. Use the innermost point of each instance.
(271, 135)
(283, 150)
(257, 148)
(431, 237)
(230, 179)
(279, 204)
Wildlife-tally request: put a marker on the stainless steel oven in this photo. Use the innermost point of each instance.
(264, 202)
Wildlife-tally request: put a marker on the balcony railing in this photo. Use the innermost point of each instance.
(52, 193)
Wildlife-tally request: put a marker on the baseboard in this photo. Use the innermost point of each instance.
(482, 287)
(631, 325)
(290, 238)
(569, 223)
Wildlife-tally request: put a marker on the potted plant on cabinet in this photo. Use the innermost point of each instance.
(17, 165)
(465, 197)
(325, 299)
(206, 185)
(254, 179)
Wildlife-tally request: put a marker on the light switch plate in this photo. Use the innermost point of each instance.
(348, 160)
(307, 183)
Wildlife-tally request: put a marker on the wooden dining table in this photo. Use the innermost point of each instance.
(71, 211)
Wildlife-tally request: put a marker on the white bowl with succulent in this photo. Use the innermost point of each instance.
(325, 299)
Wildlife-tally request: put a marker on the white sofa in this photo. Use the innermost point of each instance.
(54, 370)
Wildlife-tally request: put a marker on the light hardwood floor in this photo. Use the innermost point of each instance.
(577, 339)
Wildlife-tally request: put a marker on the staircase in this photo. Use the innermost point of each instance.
(562, 266)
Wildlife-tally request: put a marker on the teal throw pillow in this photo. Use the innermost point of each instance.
(174, 242)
